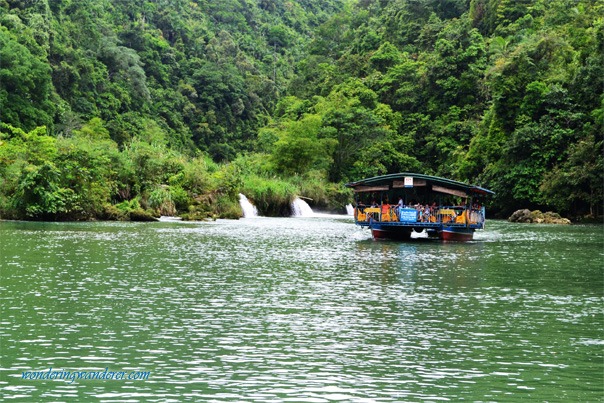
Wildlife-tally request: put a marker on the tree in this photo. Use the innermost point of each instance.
(301, 148)
(25, 86)
(575, 185)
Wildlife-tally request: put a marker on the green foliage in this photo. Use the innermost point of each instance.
(94, 130)
(385, 57)
(271, 196)
(321, 193)
(49, 178)
(205, 73)
(496, 92)
(183, 105)
(228, 181)
(300, 146)
(40, 195)
(578, 180)
(25, 85)
(168, 200)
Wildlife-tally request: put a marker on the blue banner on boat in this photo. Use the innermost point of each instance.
(408, 215)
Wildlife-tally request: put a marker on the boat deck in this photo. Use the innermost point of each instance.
(442, 216)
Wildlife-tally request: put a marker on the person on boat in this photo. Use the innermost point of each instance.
(360, 205)
(395, 210)
(476, 214)
(385, 216)
(418, 208)
(426, 217)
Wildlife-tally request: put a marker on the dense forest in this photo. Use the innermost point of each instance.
(125, 109)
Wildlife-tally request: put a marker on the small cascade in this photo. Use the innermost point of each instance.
(169, 218)
(349, 209)
(301, 209)
(249, 210)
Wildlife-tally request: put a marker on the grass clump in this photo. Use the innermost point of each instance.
(271, 196)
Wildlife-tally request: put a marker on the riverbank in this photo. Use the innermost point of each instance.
(271, 197)
(88, 176)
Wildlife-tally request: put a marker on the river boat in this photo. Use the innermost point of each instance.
(393, 206)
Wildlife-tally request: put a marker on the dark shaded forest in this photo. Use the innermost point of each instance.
(126, 109)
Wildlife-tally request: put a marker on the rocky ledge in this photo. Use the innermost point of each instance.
(538, 217)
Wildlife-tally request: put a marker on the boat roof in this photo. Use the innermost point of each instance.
(402, 180)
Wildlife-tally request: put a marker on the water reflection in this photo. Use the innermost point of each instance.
(302, 309)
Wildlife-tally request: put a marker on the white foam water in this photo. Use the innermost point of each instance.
(301, 209)
(249, 210)
(349, 209)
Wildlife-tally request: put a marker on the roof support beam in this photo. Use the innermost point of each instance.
(448, 191)
(359, 189)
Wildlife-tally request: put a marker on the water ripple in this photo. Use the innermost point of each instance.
(308, 310)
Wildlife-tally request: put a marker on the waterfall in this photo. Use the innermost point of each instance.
(249, 210)
(349, 209)
(301, 209)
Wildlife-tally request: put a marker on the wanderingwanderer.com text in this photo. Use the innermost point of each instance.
(72, 376)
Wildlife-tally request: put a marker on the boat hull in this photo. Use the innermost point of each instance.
(456, 234)
(399, 234)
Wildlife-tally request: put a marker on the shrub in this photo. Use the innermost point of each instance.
(272, 196)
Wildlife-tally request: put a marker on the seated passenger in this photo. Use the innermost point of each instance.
(426, 216)
(420, 209)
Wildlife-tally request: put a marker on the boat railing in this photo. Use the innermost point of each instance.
(409, 214)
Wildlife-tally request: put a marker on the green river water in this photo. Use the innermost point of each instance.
(300, 309)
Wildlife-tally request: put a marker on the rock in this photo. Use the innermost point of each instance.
(537, 217)
(554, 218)
(113, 213)
(141, 215)
(521, 216)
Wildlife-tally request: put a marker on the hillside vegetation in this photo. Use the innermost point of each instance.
(117, 109)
